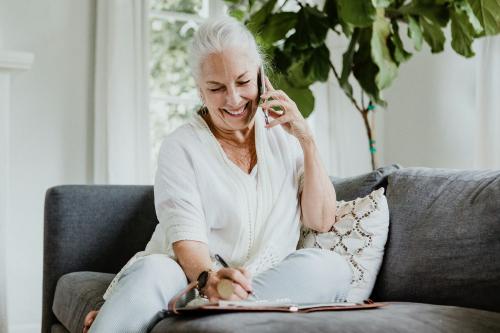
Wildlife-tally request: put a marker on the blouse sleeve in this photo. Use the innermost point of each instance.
(298, 160)
(177, 198)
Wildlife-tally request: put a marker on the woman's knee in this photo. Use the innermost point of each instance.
(158, 269)
(334, 265)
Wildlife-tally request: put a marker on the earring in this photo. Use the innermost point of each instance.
(203, 110)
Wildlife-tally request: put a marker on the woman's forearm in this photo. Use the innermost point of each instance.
(318, 199)
(193, 256)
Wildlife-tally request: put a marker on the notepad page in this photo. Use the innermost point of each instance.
(280, 303)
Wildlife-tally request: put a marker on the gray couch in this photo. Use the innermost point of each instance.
(441, 268)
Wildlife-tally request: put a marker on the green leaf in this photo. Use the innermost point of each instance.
(464, 6)
(310, 30)
(277, 26)
(399, 54)
(388, 70)
(237, 14)
(415, 33)
(488, 14)
(435, 11)
(433, 35)
(282, 60)
(332, 13)
(347, 64)
(462, 31)
(359, 13)
(364, 69)
(257, 20)
(310, 66)
(296, 73)
(303, 97)
(317, 67)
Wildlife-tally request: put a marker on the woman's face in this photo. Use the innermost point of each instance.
(228, 86)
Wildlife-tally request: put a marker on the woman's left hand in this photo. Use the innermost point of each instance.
(290, 117)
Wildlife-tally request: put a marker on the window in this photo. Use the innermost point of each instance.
(173, 95)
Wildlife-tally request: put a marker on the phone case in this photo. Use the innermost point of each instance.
(262, 89)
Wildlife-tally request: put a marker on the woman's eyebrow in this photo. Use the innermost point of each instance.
(239, 77)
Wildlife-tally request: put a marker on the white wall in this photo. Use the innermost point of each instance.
(430, 120)
(50, 133)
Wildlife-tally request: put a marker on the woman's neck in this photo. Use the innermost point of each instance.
(237, 138)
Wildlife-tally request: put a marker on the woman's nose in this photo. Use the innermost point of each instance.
(233, 97)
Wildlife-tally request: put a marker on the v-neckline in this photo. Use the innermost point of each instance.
(225, 157)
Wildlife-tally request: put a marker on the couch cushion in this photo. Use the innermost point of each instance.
(395, 317)
(360, 186)
(444, 238)
(76, 294)
(58, 328)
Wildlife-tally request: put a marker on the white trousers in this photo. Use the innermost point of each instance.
(146, 287)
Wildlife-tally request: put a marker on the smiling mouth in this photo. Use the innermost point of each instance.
(238, 113)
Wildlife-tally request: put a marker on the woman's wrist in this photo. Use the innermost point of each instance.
(203, 281)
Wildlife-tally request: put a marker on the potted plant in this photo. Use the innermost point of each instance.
(295, 41)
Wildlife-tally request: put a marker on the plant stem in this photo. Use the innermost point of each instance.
(338, 79)
(370, 138)
(364, 113)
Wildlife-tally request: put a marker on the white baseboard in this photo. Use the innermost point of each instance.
(25, 328)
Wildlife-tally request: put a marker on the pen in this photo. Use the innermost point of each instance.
(221, 261)
(225, 265)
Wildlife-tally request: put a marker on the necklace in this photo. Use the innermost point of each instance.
(243, 155)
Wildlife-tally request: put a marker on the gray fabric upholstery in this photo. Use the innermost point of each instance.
(359, 186)
(444, 238)
(395, 317)
(77, 294)
(92, 228)
(58, 328)
(443, 234)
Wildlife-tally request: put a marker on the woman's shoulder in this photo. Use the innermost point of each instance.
(185, 136)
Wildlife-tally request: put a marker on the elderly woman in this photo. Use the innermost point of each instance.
(230, 184)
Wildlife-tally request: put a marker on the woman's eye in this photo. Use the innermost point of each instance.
(214, 90)
(245, 82)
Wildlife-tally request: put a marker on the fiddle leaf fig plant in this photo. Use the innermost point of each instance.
(295, 41)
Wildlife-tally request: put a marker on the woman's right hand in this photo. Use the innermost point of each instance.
(240, 277)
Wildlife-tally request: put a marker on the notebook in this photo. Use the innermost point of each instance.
(281, 305)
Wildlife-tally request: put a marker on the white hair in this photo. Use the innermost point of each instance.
(218, 34)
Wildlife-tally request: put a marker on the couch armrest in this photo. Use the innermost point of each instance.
(92, 228)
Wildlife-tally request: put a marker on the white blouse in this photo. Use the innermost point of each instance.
(251, 220)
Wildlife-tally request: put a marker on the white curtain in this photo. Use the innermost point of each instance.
(488, 103)
(121, 137)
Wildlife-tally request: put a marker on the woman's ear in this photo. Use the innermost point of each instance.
(202, 97)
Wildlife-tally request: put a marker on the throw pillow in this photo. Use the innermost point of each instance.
(359, 234)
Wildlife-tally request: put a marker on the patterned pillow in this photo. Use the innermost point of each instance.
(359, 234)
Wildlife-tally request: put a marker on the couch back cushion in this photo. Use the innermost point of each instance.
(444, 238)
(359, 186)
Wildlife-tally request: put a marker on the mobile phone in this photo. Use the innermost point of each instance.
(261, 89)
